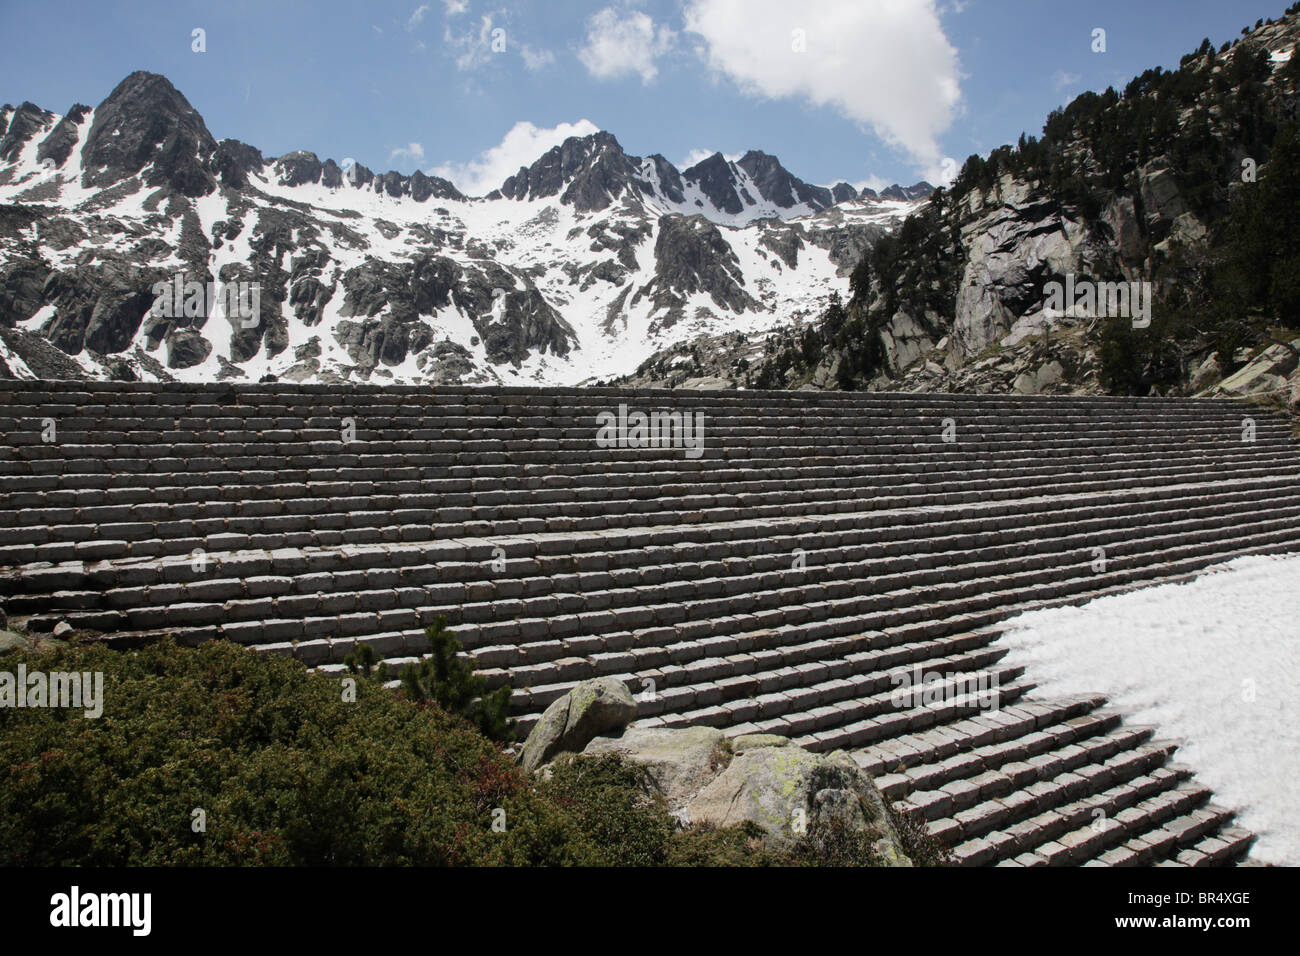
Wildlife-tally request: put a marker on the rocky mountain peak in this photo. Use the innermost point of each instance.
(58, 145)
(302, 167)
(24, 123)
(347, 289)
(147, 124)
(907, 193)
(233, 161)
(587, 172)
(777, 185)
(714, 178)
(843, 192)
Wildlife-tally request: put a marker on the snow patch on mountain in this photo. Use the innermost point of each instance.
(579, 267)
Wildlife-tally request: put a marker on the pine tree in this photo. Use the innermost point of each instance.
(448, 680)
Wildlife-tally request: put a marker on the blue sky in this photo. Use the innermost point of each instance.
(860, 90)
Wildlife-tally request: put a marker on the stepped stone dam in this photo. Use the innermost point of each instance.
(817, 555)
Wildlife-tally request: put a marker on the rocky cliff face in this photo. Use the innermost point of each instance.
(581, 265)
(1111, 195)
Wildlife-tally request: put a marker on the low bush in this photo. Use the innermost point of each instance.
(218, 756)
(281, 768)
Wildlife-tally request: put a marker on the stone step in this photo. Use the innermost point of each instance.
(548, 553)
(1055, 534)
(552, 432)
(1093, 829)
(823, 547)
(32, 414)
(140, 538)
(153, 395)
(1154, 843)
(921, 783)
(383, 614)
(911, 764)
(1068, 791)
(883, 473)
(1228, 845)
(868, 472)
(173, 464)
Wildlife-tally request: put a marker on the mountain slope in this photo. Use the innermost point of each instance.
(1182, 187)
(580, 265)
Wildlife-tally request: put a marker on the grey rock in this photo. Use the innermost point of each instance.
(146, 123)
(778, 186)
(1206, 374)
(21, 285)
(592, 708)
(715, 180)
(670, 180)
(692, 256)
(843, 192)
(1262, 372)
(786, 790)
(186, 348)
(58, 145)
(907, 193)
(587, 172)
(11, 641)
(28, 120)
(1161, 198)
(298, 168)
(680, 762)
(1120, 216)
(1014, 250)
(233, 161)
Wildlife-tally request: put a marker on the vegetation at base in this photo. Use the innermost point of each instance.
(1221, 296)
(287, 771)
(284, 770)
(447, 679)
(921, 847)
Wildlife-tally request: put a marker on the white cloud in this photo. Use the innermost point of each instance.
(475, 46)
(1062, 79)
(622, 46)
(535, 59)
(413, 152)
(885, 64)
(455, 7)
(478, 45)
(523, 145)
(416, 16)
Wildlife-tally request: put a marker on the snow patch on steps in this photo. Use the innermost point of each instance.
(1189, 658)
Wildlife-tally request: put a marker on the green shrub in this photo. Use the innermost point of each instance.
(292, 768)
(449, 681)
(607, 798)
(285, 771)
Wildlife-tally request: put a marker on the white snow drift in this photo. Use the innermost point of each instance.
(1214, 662)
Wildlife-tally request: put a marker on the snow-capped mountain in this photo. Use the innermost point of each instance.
(578, 267)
